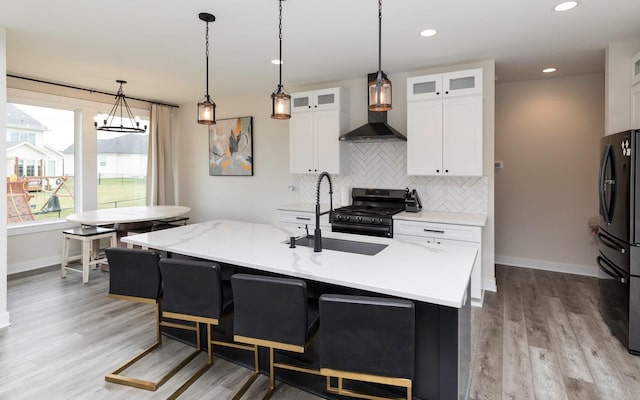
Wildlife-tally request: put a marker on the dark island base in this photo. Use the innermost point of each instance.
(443, 350)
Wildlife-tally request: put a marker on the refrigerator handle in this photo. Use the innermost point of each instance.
(604, 207)
(610, 270)
(610, 243)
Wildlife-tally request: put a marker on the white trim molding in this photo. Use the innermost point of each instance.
(489, 284)
(4, 320)
(576, 269)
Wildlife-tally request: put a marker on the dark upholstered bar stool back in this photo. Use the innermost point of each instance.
(193, 291)
(134, 275)
(367, 339)
(275, 313)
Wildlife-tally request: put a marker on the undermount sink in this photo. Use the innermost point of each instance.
(348, 246)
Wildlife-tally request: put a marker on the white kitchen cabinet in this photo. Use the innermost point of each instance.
(450, 235)
(317, 120)
(444, 124)
(299, 221)
(635, 107)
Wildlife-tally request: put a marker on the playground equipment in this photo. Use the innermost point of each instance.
(19, 208)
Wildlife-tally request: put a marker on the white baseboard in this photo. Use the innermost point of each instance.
(32, 264)
(4, 319)
(490, 285)
(576, 269)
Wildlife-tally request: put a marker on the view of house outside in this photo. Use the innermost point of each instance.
(40, 165)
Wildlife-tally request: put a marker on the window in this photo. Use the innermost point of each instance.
(46, 182)
(122, 168)
(38, 187)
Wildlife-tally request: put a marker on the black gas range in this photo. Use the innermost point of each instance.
(371, 212)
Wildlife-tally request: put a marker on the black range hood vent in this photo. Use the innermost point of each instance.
(375, 129)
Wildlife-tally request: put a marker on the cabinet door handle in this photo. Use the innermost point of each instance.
(304, 218)
(438, 171)
(446, 170)
(433, 230)
(447, 92)
(437, 93)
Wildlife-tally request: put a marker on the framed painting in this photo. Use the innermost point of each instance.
(231, 147)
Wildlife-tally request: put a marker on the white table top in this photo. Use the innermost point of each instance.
(419, 271)
(127, 214)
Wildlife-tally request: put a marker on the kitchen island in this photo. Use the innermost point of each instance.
(436, 278)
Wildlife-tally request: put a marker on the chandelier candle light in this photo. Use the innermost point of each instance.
(206, 107)
(380, 88)
(280, 99)
(122, 112)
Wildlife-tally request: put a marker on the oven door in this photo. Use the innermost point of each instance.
(363, 229)
(614, 297)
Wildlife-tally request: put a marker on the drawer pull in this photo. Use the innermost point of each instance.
(433, 230)
(303, 218)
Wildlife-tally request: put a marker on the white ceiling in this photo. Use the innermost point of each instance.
(158, 45)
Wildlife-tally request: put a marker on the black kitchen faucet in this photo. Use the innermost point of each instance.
(317, 238)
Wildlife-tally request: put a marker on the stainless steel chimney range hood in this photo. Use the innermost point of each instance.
(375, 129)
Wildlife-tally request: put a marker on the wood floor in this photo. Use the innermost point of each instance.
(539, 337)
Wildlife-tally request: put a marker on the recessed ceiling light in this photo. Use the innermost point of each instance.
(549, 70)
(276, 62)
(428, 33)
(565, 6)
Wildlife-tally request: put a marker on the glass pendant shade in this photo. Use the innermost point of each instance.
(207, 112)
(280, 104)
(380, 93)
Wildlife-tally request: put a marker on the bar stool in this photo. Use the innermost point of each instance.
(193, 291)
(274, 313)
(367, 339)
(134, 275)
(90, 239)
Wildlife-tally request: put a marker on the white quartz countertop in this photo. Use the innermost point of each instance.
(414, 270)
(444, 217)
(305, 207)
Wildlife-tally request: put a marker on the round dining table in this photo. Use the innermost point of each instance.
(123, 215)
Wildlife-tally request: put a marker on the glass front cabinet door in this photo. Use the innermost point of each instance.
(635, 69)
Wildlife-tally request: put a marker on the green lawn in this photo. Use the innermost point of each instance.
(112, 192)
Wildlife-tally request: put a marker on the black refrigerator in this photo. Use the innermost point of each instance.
(619, 236)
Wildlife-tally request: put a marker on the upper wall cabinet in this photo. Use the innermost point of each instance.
(318, 118)
(444, 124)
(635, 69)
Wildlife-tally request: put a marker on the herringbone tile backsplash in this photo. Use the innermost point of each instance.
(384, 165)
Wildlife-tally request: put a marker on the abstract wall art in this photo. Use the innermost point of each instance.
(231, 147)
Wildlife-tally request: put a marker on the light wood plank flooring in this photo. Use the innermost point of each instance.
(539, 337)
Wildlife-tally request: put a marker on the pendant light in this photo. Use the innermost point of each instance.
(380, 88)
(206, 107)
(120, 118)
(280, 99)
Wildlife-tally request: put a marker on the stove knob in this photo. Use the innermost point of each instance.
(379, 220)
(347, 218)
(359, 219)
(371, 220)
(339, 217)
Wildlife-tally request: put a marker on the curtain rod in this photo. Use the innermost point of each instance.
(88, 90)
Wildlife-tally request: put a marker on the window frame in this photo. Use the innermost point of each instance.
(84, 112)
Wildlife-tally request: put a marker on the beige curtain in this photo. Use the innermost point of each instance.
(160, 161)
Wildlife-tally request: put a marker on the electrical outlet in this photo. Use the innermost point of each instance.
(498, 164)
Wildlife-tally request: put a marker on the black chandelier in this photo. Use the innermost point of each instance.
(120, 118)
(380, 88)
(280, 99)
(206, 107)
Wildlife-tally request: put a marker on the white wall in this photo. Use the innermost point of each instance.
(4, 314)
(618, 85)
(243, 198)
(547, 134)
